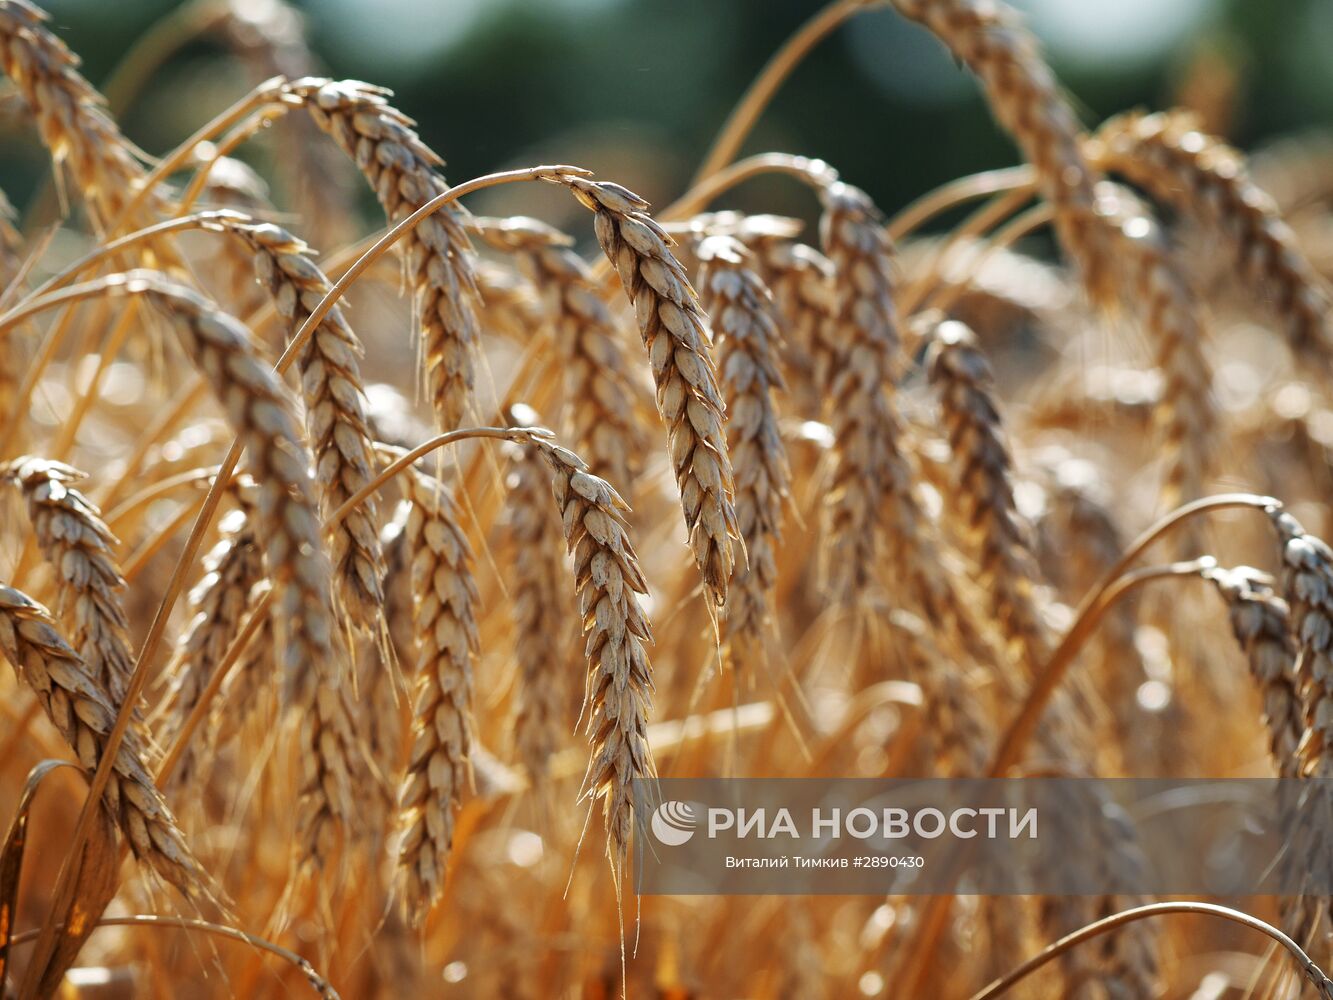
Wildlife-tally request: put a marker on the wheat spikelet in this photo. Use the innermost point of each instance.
(403, 172)
(541, 616)
(216, 608)
(603, 415)
(445, 596)
(1261, 623)
(1025, 97)
(1170, 158)
(745, 318)
(618, 690)
(71, 116)
(675, 334)
(335, 407)
(80, 548)
(79, 708)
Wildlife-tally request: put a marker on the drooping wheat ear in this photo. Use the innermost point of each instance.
(445, 596)
(675, 333)
(78, 706)
(71, 116)
(270, 38)
(335, 408)
(958, 731)
(1168, 157)
(1025, 97)
(801, 279)
(403, 171)
(984, 494)
(869, 464)
(510, 306)
(217, 606)
(1173, 316)
(1261, 622)
(248, 688)
(1307, 584)
(618, 690)
(541, 614)
(261, 412)
(745, 319)
(81, 550)
(602, 411)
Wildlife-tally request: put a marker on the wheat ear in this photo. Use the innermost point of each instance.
(1170, 158)
(403, 172)
(444, 618)
(675, 334)
(618, 691)
(1025, 97)
(216, 608)
(71, 115)
(604, 421)
(80, 548)
(79, 708)
(1261, 622)
(335, 409)
(1173, 316)
(260, 411)
(541, 616)
(745, 319)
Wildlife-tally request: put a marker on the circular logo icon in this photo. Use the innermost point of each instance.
(674, 822)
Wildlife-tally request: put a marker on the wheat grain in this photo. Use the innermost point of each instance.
(81, 549)
(79, 708)
(444, 618)
(603, 412)
(618, 690)
(745, 319)
(675, 334)
(510, 306)
(335, 409)
(1025, 97)
(1170, 158)
(403, 172)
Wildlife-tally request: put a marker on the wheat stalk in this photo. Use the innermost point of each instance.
(1170, 158)
(79, 708)
(603, 415)
(675, 334)
(403, 172)
(444, 620)
(335, 409)
(745, 319)
(81, 550)
(618, 690)
(1026, 99)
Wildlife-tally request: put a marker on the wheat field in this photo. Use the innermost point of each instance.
(351, 578)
